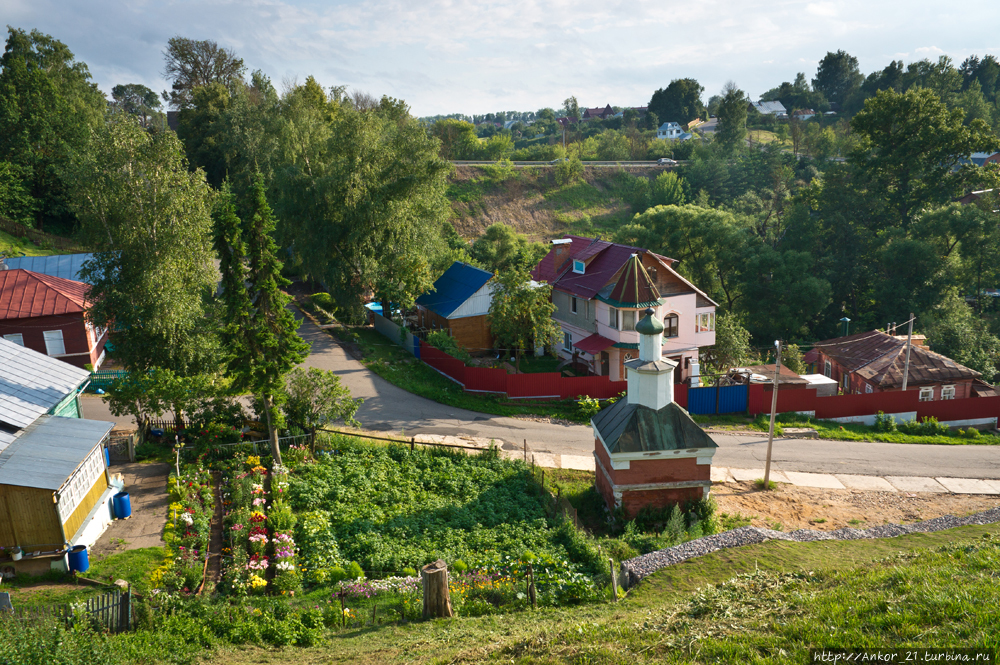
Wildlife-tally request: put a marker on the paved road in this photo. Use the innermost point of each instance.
(389, 408)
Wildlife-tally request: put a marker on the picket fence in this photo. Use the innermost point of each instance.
(111, 611)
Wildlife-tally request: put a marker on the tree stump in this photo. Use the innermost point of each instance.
(437, 602)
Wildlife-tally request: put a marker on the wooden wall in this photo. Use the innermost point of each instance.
(471, 332)
(75, 520)
(28, 517)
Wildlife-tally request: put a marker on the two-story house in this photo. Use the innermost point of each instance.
(669, 131)
(600, 288)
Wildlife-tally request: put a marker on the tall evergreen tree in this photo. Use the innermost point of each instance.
(259, 334)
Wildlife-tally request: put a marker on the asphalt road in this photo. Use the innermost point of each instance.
(388, 408)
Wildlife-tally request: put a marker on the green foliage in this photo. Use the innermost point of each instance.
(569, 171)
(151, 273)
(16, 202)
(588, 406)
(679, 102)
(192, 64)
(955, 331)
(354, 571)
(732, 115)
(520, 314)
(884, 423)
(440, 339)
(501, 248)
(668, 190)
(458, 567)
(837, 76)
(316, 397)
(928, 426)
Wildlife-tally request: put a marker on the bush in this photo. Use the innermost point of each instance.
(354, 571)
(884, 423)
(928, 426)
(588, 406)
(458, 567)
(569, 171)
(970, 433)
(442, 341)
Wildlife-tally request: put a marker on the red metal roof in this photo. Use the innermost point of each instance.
(25, 294)
(593, 344)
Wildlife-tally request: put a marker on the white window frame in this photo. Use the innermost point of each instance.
(927, 394)
(626, 313)
(567, 341)
(948, 392)
(612, 318)
(676, 327)
(51, 338)
(17, 338)
(572, 305)
(705, 322)
(828, 369)
(579, 267)
(868, 388)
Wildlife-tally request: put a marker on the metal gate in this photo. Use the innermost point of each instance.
(729, 399)
(120, 447)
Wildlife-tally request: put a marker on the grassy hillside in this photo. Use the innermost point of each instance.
(533, 203)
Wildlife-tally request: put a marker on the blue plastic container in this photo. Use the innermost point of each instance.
(107, 457)
(79, 562)
(123, 505)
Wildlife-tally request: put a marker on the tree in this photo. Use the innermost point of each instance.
(148, 219)
(259, 331)
(458, 139)
(837, 76)
(316, 397)
(732, 114)
(362, 201)
(48, 108)
(668, 189)
(571, 108)
(190, 64)
(910, 145)
(16, 202)
(612, 146)
(502, 249)
(521, 314)
(732, 346)
(679, 102)
(953, 331)
(136, 99)
(202, 129)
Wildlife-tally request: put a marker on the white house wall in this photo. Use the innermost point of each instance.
(478, 303)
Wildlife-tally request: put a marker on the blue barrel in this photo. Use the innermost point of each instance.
(123, 505)
(79, 562)
(107, 456)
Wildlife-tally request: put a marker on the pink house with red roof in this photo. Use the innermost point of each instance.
(600, 289)
(46, 314)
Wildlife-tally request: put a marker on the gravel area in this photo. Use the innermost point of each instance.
(647, 564)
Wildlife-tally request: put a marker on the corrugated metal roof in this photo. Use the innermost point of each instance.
(31, 383)
(24, 294)
(632, 428)
(769, 107)
(66, 266)
(453, 288)
(47, 453)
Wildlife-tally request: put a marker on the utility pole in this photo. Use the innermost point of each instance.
(909, 341)
(774, 408)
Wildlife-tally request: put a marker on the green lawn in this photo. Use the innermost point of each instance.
(828, 429)
(22, 246)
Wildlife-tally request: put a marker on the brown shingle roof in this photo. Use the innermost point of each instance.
(880, 358)
(634, 288)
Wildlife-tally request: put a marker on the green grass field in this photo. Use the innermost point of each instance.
(23, 247)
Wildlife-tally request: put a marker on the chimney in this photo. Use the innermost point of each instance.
(845, 326)
(651, 377)
(562, 248)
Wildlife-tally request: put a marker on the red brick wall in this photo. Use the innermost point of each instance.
(634, 501)
(649, 471)
(75, 338)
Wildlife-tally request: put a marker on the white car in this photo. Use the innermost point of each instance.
(666, 161)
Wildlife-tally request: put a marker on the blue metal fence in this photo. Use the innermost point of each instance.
(730, 399)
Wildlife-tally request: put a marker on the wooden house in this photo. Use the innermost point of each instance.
(459, 304)
(46, 313)
(55, 488)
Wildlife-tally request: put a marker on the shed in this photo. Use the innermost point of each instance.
(824, 385)
(459, 304)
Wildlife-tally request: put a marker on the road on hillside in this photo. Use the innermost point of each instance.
(392, 409)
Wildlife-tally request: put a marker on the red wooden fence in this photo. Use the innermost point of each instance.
(548, 385)
(849, 406)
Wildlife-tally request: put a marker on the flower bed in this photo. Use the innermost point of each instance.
(188, 529)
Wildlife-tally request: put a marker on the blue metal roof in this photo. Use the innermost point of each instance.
(453, 288)
(66, 266)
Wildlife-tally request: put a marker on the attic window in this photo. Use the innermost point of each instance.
(579, 266)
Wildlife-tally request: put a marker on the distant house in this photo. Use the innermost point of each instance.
(459, 305)
(55, 488)
(598, 113)
(600, 288)
(984, 158)
(769, 108)
(803, 114)
(764, 374)
(564, 121)
(873, 362)
(669, 131)
(46, 314)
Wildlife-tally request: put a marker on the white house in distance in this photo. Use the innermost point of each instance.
(601, 288)
(669, 130)
(770, 108)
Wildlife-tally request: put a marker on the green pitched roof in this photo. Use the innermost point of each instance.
(633, 428)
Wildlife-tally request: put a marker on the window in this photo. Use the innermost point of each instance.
(567, 341)
(652, 274)
(827, 369)
(628, 319)
(947, 392)
(868, 388)
(613, 317)
(670, 327)
(926, 394)
(572, 305)
(579, 266)
(17, 338)
(705, 322)
(54, 342)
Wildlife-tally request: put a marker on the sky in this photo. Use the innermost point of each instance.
(478, 56)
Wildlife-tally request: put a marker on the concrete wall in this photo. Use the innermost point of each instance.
(391, 330)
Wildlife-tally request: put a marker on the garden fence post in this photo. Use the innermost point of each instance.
(413, 440)
(525, 451)
(343, 609)
(531, 588)
(614, 582)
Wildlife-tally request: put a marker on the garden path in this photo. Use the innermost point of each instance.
(146, 485)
